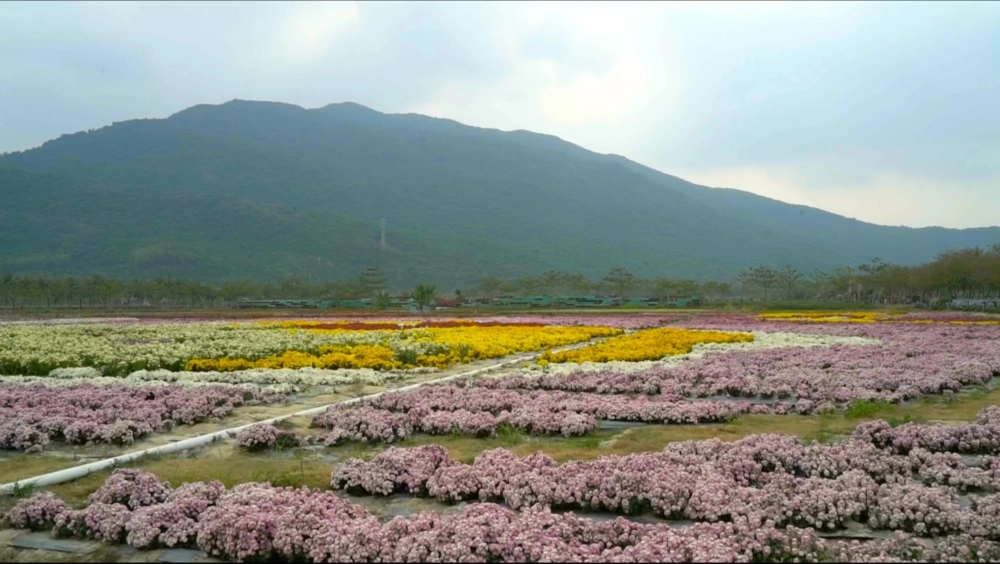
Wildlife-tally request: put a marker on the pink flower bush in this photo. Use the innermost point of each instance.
(100, 521)
(767, 476)
(949, 469)
(263, 436)
(132, 488)
(395, 469)
(261, 522)
(257, 437)
(37, 512)
(362, 424)
(737, 523)
(195, 497)
(972, 438)
(31, 415)
(989, 415)
(165, 524)
(444, 409)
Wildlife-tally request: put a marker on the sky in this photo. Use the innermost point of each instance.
(887, 112)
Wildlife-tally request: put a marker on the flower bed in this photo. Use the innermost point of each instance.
(259, 522)
(648, 344)
(32, 415)
(117, 350)
(771, 477)
(394, 324)
(631, 321)
(432, 347)
(284, 380)
(120, 349)
(445, 409)
(879, 317)
(910, 361)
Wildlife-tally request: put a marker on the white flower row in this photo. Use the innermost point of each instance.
(70, 321)
(761, 341)
(283, 379)
(284, 389)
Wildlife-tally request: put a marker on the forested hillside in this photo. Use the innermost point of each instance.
(265, 190)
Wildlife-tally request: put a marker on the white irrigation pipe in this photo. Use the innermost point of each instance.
(82, 470)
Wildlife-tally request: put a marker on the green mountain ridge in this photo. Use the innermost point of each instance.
(461, 203)
(207, 237)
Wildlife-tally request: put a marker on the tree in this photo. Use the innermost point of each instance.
(686, 288)
(578, 283)
(7, 287)
(664, 287)
(371, 280)
(93, 287)
(424, 294)
(724, 289)
(551, 281)
(527, 285)
(621, 280)
(233, 291)
(787, 278)
(490, 287)
(841, 279)
(744, 278)
(763, 277)
(44, 290)
(873, 275)
(381, 299)
(74, 292)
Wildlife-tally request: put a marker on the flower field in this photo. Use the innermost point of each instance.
(882, 489)
(33, 415)
(652, 344)
(119, 350)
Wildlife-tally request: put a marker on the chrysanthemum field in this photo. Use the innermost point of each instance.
(800, 436)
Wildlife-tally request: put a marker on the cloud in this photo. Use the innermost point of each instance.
(583, 71)
(589, 98)
(308, 33)
(886, 198)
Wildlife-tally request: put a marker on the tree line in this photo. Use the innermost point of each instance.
(965, 273)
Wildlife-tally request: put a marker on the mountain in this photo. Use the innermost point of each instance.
(262, 190)
(62, 226)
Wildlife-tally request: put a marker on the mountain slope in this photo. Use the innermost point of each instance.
(905, 245)
(56, 225)
(513, 202)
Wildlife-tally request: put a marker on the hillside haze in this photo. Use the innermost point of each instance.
(266, 190)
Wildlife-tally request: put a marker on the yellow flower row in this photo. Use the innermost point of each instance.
(825, 316)
(862, 317)
(435, 347)
(985, 322)
(649, 344)
(465, 344)
(376, 357)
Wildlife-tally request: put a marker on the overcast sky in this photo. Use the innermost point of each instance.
(884, 111)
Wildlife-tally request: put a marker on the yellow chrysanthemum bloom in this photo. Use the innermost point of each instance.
(649, 344)
(434, 347)
(825, 316)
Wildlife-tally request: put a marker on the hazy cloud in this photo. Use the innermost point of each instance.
(882, 111)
